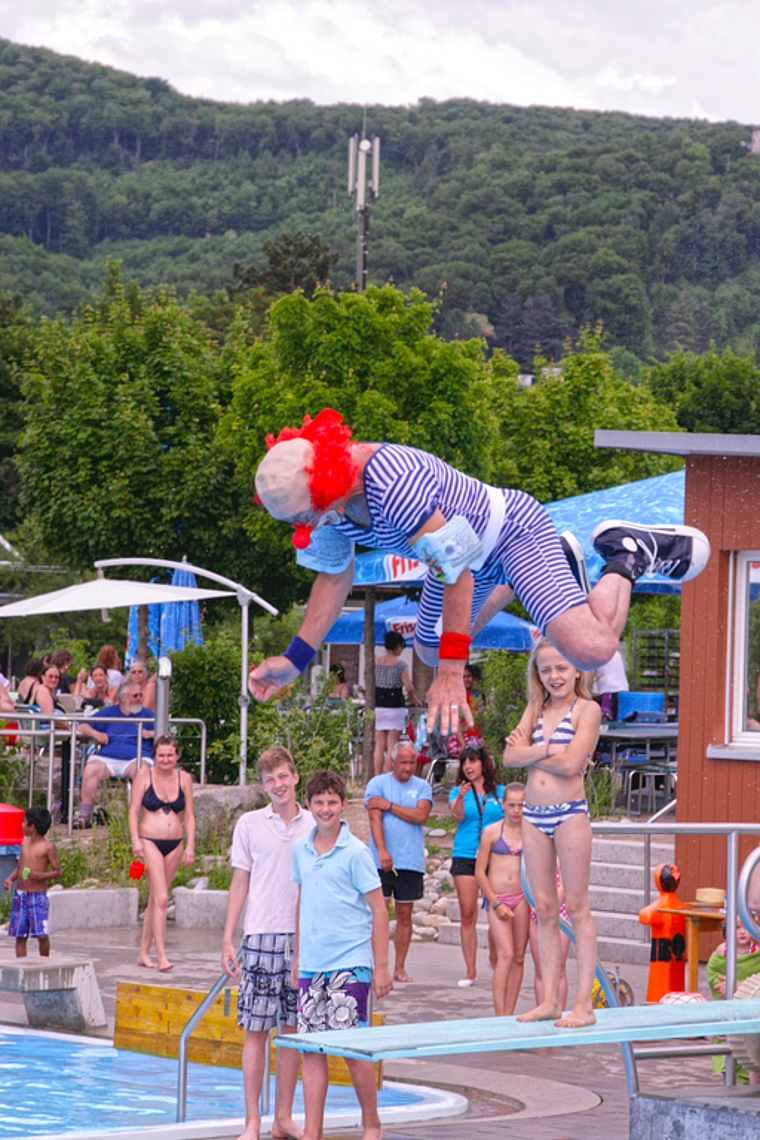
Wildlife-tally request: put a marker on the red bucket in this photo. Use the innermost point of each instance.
(136, 869)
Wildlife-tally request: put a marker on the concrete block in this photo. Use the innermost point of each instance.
(618, 875)
(452, 911)
(82, 910)
(60, 994)
(449, 934)
(620, 926)
(621, 950)
(617, 899)
(201, 910)
(627, 850)
(737, 1118)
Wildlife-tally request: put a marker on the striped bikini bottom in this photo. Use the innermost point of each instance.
(549, 818)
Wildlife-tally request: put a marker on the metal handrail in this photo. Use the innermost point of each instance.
(184, 1038)
(184, 1047)
(748, 917)
(732, 831)
(77, 718)
(608, 989)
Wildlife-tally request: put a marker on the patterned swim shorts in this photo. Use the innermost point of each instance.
(337, 1000)
(267, 996)
(29, 915)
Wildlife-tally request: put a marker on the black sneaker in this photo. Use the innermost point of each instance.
(573, 552)
(676, 552)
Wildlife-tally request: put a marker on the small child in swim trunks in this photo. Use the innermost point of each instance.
(37, 866)
(497, 870)
(555, 740)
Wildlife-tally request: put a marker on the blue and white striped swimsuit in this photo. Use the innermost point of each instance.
(403, 487)
(548, 818)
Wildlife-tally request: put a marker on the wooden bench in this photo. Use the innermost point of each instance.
(58, 993)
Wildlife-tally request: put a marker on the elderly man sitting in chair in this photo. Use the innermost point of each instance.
(118, 740)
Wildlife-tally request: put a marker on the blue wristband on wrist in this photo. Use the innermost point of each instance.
(300, 653)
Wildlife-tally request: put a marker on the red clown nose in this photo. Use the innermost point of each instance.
(301, 537)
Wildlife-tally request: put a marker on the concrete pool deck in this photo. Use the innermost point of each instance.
(574, 1094)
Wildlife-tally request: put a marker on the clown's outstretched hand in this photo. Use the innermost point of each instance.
(270, 676)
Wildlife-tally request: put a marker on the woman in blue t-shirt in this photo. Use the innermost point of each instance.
(475, 801)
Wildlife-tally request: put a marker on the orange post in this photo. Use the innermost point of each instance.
(667, 956)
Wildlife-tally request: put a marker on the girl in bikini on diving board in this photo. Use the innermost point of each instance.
(555, 740)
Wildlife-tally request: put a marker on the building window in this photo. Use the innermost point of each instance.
(745, 726)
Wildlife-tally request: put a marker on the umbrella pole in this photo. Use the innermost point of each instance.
(244, 699)
(368, 751)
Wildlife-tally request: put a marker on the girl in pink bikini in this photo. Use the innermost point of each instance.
(497, 870)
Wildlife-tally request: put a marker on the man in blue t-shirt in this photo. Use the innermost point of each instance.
(399, 804)
(117, 736)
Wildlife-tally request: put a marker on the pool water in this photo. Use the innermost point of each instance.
(51, 1083)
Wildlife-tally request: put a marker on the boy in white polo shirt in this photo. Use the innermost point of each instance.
(341, 945)
(262, 856)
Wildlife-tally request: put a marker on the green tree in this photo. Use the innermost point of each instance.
(548, 429)
(15, 334)
(119, 455)
(373, 357)
(710, 393)
(296, 261)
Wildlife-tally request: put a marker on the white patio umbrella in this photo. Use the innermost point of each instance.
(106, 594)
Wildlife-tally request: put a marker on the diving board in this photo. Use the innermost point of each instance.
(492, 1034)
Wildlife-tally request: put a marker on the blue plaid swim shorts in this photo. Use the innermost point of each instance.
(267, 996)
(29, 915)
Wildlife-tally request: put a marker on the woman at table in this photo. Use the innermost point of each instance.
(475, 802)
(161, 794)
(112, 662)
(99, 692)
(32, 672)
(44, 696)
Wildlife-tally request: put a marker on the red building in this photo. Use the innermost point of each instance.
(719, 717)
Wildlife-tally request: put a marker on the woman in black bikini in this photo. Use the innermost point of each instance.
(161, 793)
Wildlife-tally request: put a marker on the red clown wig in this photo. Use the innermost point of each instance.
(331, 471)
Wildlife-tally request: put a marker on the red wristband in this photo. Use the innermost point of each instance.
(454, 646)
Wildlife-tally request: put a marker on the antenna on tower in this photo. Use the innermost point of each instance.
(361, 153)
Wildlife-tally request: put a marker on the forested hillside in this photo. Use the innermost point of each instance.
(531, 221)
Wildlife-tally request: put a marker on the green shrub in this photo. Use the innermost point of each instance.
(318, 733)
(206, 684)
(505, 684)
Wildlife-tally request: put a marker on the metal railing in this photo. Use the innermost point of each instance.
(201, 1011)
(736, 894)
(222, 983)
(52, 735)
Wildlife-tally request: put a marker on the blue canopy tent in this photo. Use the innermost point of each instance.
(656, 500)
(505, 631)
(171, 625)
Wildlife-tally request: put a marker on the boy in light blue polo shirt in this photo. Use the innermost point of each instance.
(341, 945)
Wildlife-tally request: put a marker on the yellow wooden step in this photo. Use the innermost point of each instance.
(149, 1019)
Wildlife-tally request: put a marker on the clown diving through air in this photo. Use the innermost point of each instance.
(482, 546)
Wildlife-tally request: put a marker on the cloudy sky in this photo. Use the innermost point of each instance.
(655, 57)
